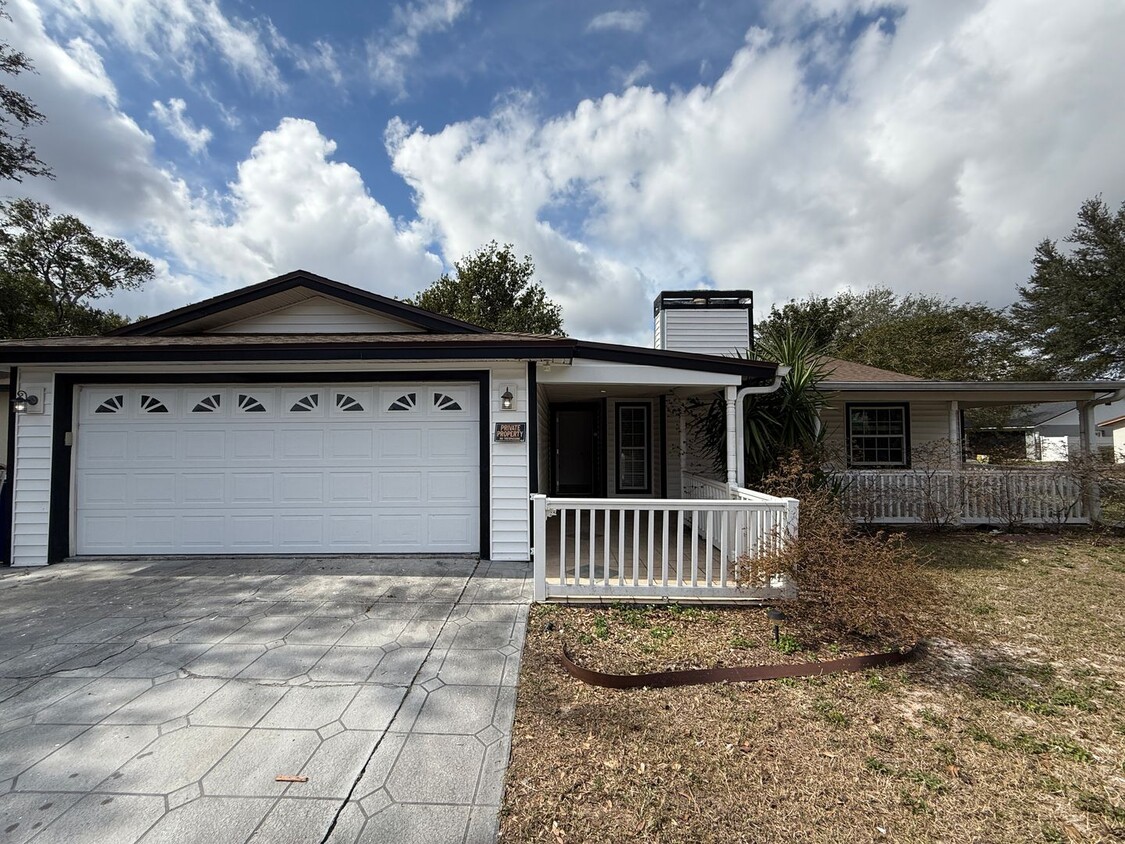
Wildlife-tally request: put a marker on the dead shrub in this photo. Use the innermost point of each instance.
(848, 583)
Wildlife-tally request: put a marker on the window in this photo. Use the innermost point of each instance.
(878, 435)
(634, 452)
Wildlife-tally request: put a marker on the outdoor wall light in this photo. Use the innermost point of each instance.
(22, 401)
(506, 398)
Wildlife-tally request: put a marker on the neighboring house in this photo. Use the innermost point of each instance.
(1115, 430)
(898, 441)
(304, 416)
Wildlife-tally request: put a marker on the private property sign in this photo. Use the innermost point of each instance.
(511, 432)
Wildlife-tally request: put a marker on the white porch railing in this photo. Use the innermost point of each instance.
(694, 548)
(973, 495)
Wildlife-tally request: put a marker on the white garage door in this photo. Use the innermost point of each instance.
(379, 468)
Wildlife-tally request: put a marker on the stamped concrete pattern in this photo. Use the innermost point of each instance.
(158, 700)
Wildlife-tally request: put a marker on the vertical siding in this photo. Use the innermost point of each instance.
(929, 422)
(706, 331)
(511, 516)
(31, 477)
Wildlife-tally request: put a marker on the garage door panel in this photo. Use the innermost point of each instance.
(231, 469)
(199, 488)
(400, 487)
(154, 488)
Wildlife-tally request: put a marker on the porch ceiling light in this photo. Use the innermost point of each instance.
(22, 401)
(506, 399)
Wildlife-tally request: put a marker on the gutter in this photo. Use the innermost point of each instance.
(740, 429)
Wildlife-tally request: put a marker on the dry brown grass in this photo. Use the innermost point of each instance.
(1011, 727)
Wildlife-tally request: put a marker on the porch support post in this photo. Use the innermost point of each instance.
(957, 498)
(1091, 494)
(539, 552)
(733, 440)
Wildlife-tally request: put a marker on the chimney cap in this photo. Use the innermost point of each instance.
(676, 299)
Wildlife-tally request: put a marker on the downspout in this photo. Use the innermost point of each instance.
(740, 429)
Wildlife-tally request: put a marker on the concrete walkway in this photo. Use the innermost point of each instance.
(156, 701)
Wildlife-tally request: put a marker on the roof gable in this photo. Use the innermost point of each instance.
(222, 313)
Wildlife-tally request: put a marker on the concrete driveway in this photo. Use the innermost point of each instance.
(157, 701)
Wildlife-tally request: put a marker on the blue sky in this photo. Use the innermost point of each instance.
(793, 147)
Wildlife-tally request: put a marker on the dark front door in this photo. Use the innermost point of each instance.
(574, 433)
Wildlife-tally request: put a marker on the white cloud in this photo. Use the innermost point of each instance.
(639, 72)
(320, 60)
(180, 32)
(623, 21)
(390, 53)
(933, 160)
(176, 123)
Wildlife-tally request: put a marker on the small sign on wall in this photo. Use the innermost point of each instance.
(511, 432)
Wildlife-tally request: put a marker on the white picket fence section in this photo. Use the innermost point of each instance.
(974, 495)
(700, 547)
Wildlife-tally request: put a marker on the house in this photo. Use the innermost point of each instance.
(897, 442)
(305, 416)
(1114, 429)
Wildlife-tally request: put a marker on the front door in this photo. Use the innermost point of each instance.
(574, 433)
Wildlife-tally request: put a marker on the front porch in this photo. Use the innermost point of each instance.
(703, 547)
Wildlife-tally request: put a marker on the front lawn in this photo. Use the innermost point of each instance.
(1009, 727)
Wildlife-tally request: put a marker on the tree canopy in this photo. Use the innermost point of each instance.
(926, 336)
(493, 289)
(1071, 313)
(53, 267)
(17, 156)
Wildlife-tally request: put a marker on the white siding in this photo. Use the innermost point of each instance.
(508, 496)
(929, 422)
(317, 316)
(31, 477)
(511, 501)
(709, 331)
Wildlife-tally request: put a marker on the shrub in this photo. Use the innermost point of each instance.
(848, 583)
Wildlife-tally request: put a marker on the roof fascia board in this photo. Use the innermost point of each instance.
(746, 369)
(266, 352)
(596, 373)
(975, 386)
(299, 278)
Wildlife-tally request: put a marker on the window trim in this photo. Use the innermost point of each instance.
(860, 405)
(647, 408)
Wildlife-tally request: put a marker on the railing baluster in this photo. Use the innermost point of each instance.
(621, 547)
(562, 546)
(606, 532)
(577, 546)
(664, 548)
(592, 552)
(694, 547)
(651, 549)
(636, 544)
(709, 547)
(680, 547)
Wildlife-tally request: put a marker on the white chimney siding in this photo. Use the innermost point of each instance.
(706, 322)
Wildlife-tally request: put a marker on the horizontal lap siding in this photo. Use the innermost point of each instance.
(706, 331)
(31, 478)
(316, 316)
(510, 503)
(929, 422)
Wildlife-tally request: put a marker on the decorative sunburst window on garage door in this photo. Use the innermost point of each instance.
(151, 404)
(113, 404)
(404, 402)
(209, 404)
(444, 402)
(347, 403)
(308, 403)
(249, 404)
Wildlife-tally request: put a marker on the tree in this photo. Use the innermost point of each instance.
(1071, 313)
(925, 336)
(51, 267)
(17, 156)
(494, 290)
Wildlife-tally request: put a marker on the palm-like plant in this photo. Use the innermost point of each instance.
(777, 423)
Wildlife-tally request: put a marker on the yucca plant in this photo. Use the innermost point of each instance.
(779, 423)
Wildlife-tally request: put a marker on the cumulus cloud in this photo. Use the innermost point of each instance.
(390, 53)
(940, 151)
(180, 31)
(172, 117)
(623, 21)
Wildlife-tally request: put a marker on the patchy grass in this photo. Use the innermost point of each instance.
(1009, 727)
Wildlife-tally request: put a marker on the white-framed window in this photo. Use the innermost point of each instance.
(634, 448)
(878, 435)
